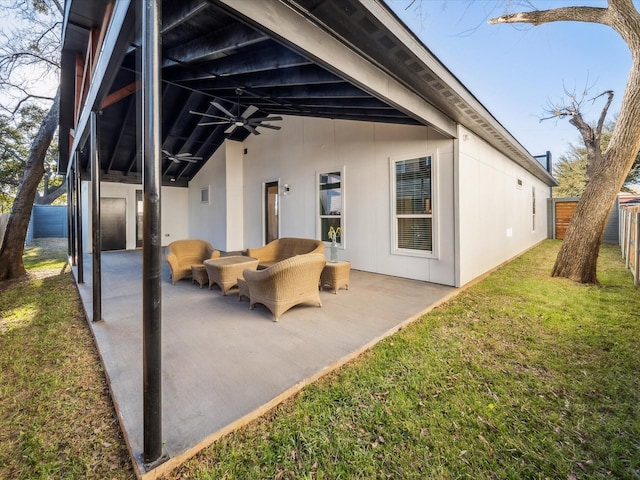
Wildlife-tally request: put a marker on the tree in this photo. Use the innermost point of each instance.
(12, 153)
(15, 134)
(578, 255)
(23, 50)
(571, 172)
(571, 168)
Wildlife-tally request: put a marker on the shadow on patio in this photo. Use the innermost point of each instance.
(223, 364)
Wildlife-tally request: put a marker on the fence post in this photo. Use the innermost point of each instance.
(636, 273)
(621, 225)
(627, 237)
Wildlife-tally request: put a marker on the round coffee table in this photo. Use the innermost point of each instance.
(224, 271)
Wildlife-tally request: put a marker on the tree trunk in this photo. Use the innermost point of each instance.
(578, 254)
(11, 265)
(580, 248)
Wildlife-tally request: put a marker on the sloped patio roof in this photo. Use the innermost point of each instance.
(213, 49)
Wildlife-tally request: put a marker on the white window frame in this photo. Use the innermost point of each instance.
(533, 208)
(342, 241)
(395, 250)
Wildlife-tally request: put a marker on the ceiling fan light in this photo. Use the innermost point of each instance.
(238, 123)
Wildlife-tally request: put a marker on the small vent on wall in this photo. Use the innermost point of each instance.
(204, 194)
(519, 183)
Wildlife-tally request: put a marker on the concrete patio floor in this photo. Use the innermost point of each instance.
(223, 364)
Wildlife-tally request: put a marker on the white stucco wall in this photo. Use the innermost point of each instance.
(221, 220)
(495, 213)
(307, 146)
(483, 216)
(481, 209)
(174, 211)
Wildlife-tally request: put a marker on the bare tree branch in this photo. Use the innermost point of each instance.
(538, 17)
(621, 15)
(22, 101)
(59, 7)
(603, 113)
(27, 58)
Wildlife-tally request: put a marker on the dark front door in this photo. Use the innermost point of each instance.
(271, 214)
(113, 223)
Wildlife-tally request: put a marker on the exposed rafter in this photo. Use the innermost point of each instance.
(207, 55)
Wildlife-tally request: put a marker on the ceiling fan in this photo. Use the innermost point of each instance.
(236, 121)
(181, 157)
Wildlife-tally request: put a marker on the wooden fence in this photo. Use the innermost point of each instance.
(630, 238)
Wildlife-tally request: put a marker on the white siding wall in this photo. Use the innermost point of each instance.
(492, 225)
(306, 146)
(208, 221)
(174, 211)
(495, 214)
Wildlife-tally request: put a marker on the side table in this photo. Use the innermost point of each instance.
(335, 275)
(199, 274)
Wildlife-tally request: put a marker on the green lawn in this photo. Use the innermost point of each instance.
(56, 418)
(520, 376)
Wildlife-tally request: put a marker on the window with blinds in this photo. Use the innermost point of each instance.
(330, 204)
(413, 205)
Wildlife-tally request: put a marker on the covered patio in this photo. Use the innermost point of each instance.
(224, 365)
(165, 134)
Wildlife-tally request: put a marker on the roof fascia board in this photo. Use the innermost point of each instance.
(65, 20)
(382, 12)
(297, 31)
(119, 34)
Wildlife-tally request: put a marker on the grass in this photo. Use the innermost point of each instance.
(56, 418)
(520, 376)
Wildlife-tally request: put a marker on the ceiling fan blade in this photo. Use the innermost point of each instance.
(223, 110)
(268, 125)
(265, 119)
(251, 129)
(184, 154)
(208, 115)
(166, 153)
(191, 159)
(204, 124)
(251, 109)
(230, 129)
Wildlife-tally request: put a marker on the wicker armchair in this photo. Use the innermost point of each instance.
(287, 283)
(182, 254)
(284, 248)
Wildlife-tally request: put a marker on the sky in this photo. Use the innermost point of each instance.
(515, 71)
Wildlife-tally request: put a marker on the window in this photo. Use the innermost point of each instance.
(413, 205)
(331, 203)
(533, 208)
(204, 194)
